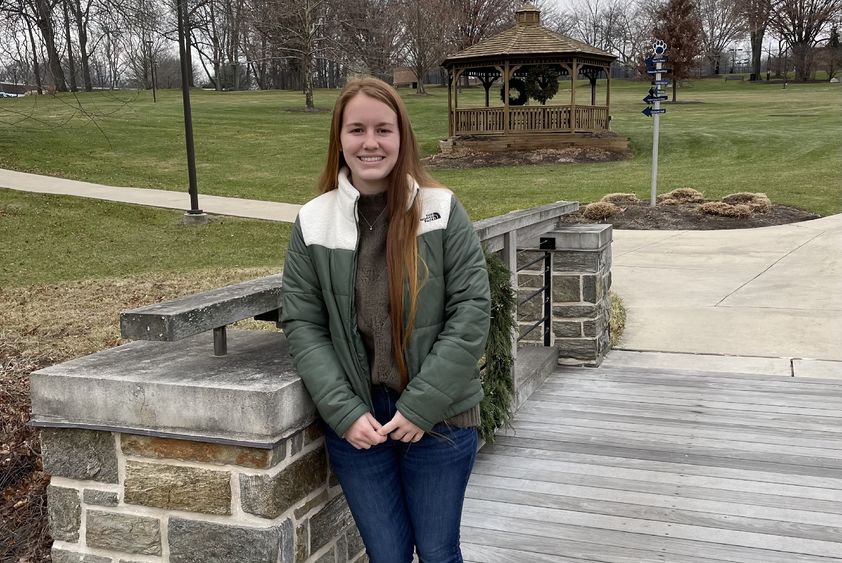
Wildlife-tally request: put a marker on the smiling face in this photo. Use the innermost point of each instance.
(370, 141)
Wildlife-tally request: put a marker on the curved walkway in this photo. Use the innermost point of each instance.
(773, 293)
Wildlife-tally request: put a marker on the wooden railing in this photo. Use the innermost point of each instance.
(538, 119)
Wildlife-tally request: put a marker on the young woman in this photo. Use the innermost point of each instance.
(386, 311)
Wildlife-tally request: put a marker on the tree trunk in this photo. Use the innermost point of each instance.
(45, 25)
(307, 71)
(801, 60)
(71, 62)
(756, 39)
(36, 68)
(81, 29)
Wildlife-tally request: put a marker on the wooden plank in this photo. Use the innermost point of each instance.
(674, 515)
(483, 545)
(744, 422)
(782, 383)
(654, 391)
(650, 528)
(670, 433)
(755, 452)
(771, 466)
(608, 540)
(743, 492)
(699, 404)
(506, 446)
(483, 553)
(600, 407)
(573, 372)
(584, 498)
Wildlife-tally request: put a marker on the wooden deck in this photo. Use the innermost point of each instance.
(638, 465)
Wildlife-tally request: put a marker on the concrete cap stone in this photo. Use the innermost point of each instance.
(591, 236)
(251, 397)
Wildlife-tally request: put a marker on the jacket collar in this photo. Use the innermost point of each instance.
(348, 194)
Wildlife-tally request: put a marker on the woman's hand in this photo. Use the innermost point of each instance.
(399, 428)
(363, 433)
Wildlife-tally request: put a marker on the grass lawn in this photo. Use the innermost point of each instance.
(56, 239)
(722, 137)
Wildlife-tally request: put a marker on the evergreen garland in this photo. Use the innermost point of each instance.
(496, 407)
(515, 85)
(541, 83)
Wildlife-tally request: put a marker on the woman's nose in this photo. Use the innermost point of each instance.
(370, 141)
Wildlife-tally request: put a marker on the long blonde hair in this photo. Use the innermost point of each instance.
(404, 216)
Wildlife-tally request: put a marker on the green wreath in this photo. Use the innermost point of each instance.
(541, 83)
(518, 85)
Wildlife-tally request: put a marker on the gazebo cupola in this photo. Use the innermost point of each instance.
(528, 58)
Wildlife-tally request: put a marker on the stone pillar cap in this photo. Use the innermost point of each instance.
(251, 397)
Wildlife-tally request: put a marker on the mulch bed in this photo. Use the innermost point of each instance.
(462, 159)
(689, 217)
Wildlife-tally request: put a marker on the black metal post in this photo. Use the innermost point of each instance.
(152, 72)
(181, 8)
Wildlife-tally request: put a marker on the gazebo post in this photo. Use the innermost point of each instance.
(451, 115)
(574, 73)
(608, 97)
(593, 88)
(506, 98)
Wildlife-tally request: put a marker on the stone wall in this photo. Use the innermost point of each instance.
(117, 497)
(581, 278)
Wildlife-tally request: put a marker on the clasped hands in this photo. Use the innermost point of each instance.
(366, 431)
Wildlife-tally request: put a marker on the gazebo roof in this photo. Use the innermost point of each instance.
(526, 38)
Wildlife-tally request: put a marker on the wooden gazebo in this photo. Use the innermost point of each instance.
(510, 55)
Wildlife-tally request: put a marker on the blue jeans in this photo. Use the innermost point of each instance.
(406, 496)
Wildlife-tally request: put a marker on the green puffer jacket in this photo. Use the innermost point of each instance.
(320, 321)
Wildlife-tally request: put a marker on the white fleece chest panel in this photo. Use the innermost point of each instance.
(325, 223)
(329, 220)
(435, 209)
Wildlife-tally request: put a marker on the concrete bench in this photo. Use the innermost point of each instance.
(212, 310)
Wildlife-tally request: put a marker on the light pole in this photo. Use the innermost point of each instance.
(195, 216)
(152, 71)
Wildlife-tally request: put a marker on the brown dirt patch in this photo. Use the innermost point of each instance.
(46, 324)
(461, 159)
(690, 217)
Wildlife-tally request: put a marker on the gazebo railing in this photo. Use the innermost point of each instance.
(539, 119)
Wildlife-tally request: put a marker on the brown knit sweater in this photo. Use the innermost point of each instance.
(371, 294)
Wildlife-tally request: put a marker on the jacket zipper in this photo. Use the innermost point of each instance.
(352, 317)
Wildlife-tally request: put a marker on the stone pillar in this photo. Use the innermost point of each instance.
(581, 278)
(169, 480)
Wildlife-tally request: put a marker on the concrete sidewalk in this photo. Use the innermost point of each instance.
(232, 206)
(770, 294)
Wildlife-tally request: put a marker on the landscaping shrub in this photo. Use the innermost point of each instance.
(758, 202)
(739, 211)
(680, 196)
(600, 210)
(621, 199)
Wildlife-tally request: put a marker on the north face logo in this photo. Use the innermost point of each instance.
(429, 217)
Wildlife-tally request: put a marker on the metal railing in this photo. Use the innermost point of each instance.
(544, 292)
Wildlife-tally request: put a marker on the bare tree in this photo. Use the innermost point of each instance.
(721, 23)
(678, 23)
(426, 26)
(474, 20)
(369, 36)
(801, 23)
(755, 15)
(43, 16)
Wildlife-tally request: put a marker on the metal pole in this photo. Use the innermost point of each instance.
(181, 8)
(655, 133)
